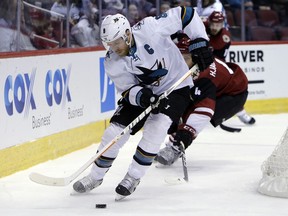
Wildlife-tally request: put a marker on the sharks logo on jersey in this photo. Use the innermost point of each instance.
(152, 76)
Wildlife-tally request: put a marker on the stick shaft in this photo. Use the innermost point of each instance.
(184, 163)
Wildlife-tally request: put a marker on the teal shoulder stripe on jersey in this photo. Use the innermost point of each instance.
(187, 14)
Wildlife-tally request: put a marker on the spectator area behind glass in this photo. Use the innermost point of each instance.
(49, 24)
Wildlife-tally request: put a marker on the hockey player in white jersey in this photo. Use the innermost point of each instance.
(143, 62)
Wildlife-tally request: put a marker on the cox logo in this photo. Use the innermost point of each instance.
(18, 92)
(57, 86)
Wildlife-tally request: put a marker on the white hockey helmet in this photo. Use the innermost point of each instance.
(114, 27)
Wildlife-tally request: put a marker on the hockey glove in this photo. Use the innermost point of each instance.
(145, 97)
(159, 105)
(201, 54)
(185, 134)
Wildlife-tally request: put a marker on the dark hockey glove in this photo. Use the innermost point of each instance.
(159, 105)
(185, 134)
(201, 53)
(145, 97)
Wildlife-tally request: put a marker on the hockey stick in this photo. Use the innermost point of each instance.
(175, 180)
(184, 164)
(230, 129)
(63, 181)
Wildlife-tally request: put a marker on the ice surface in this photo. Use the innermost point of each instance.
(224, 171)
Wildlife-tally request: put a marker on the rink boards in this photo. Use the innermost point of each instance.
(55, 103)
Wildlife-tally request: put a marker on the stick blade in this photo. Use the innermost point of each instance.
(46, 180)
(174, 180)
(230, 129)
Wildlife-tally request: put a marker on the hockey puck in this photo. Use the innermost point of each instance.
(100, 205)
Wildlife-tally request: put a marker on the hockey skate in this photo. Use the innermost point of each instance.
(246, 119)
(126, 187)
(86, 184)
(168, 155)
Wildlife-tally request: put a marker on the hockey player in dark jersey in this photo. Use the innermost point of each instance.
(143, 62)
(220, 41)
(220, 37)
(219, 92)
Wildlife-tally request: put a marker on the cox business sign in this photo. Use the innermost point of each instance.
(57, 94)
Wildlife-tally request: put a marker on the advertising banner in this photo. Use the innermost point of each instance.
(43, 95)
(47, 94)
(264, 66)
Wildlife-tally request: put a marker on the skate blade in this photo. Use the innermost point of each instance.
(75, 193)
(119, 197)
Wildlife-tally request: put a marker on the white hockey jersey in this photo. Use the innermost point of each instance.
(155, 60)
